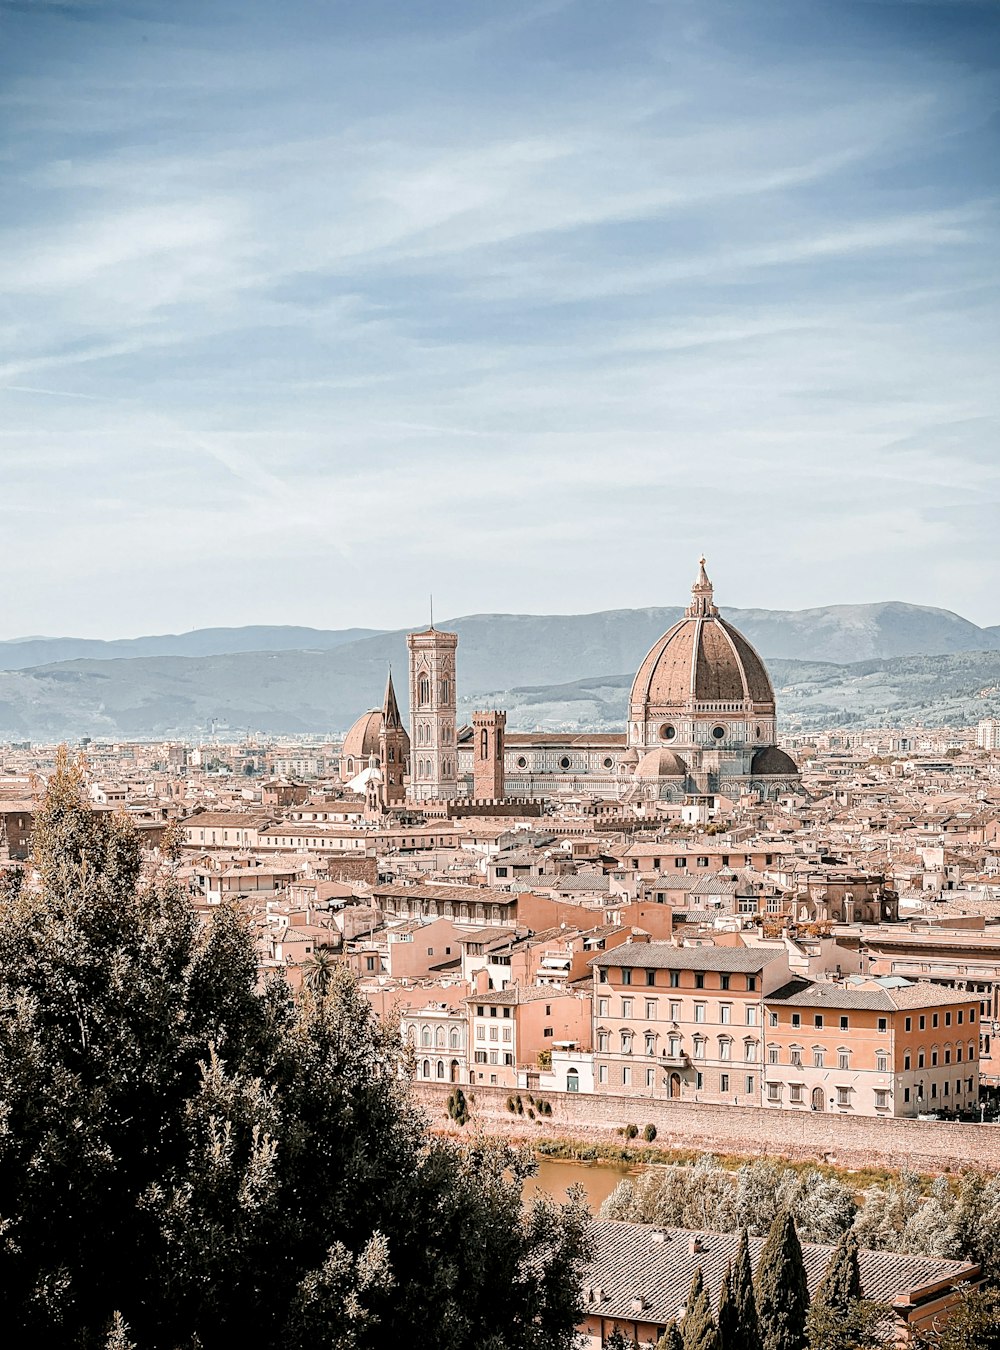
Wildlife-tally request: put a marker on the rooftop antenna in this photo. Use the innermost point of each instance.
(432, 609)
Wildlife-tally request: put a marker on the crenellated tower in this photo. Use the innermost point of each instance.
(488, 755)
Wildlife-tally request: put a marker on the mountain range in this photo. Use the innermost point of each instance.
(883, 661)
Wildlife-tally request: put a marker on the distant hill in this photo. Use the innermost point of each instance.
(23, 653)
(957, 689)
(537, 666)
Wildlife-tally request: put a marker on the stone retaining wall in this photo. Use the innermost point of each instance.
(848, 1141)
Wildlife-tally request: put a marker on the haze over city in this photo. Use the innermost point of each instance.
(310, 310)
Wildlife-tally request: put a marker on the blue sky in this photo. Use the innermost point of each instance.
(309, 309)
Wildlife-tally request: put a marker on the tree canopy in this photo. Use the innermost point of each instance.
(190, 1156)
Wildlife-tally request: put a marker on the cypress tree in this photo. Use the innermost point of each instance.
(728, 1321)
(741, 1288)
(840, 1287)
(781, 1291)
(671, 1338)
(698, 1331)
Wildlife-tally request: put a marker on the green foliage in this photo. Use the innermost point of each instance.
(458, 1107)
(698, 1330)
(671, 1338)
(649, 1133)
(973, 1325)
(780, 1288)
(545, 1059)
(744, 1301)
(630, 1131)
(190, 1159)
(838, 1318)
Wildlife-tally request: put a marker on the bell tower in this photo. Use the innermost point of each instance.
(488, 755)
(433, 749)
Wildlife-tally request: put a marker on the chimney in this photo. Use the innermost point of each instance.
(695, 1244)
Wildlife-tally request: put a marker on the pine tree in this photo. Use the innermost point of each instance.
(698, 1330)
(841, 1284)
(728, 1316)
(839, 1318)
(780, 1288)
(741, 1285)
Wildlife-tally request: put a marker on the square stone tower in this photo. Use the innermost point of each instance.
(433, 751)
(487, 755)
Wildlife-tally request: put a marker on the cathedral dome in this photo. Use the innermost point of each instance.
(773, 762)
(661, 764)
(701, 660)
(362, 739)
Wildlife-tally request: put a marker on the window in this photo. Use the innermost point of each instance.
(626, 1042)
(934, 1020)
(947, 1055)
(725, 1048)
(749, 1085)
(795, 1056)
(675, 1012)
(725, 1013)
(773, 1054)
(774, 1092)
(699, 979)
(752, 1015)
(626, 1007)
(843, 1059)
(506, 1032)
(960, 1015)
(947, 1019)
(494, 1033)
(795, 1092)
(751, 983)
(796, 1019)
(602, 1007)
(845, 1024)
(843, 1096)
(772, 1019)
(602, 1073)
(650, 1041)
(972, 1014)
(573, 1080)
(699, 1081)
(923, 1022)
(650, 1078)
(920, 1059)
(934, 1058)
(723, 981)
(675, 979)
(650, 1010)
(818, 1020)
(882, 1062)
(723, 1082)
(650, 977)
(908, 1024)
(883, 1024)
(699, 1012)
(626, 977)
(750, 1052)
(817, 1057)
(602, 1042)
(906, 1060)
(627, 1076)
(699, 1047)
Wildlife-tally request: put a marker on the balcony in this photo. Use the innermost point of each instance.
(678, 1061)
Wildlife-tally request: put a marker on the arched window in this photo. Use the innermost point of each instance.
(423, 690)
(445, 690)
(484, 744)
(439, 1037)
(453, 1038)
(425, 1036)
(440, 1068)
(426, 1068)
(572, 1080)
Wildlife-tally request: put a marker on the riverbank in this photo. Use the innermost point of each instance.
(589, 1128)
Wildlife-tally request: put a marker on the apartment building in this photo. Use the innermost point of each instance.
(510, 1027)
(683, 1022)
(871, 1047)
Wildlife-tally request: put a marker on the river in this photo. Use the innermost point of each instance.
(556, 1175)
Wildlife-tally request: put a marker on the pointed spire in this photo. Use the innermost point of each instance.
(702, 602)
(391, 720)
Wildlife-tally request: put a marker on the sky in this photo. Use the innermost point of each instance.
(308, 310)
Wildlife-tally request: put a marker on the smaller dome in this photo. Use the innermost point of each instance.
(362, 739)
(661, 764)
(630, 757)
(773, 762)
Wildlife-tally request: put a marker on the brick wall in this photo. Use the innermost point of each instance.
(848, 1141)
